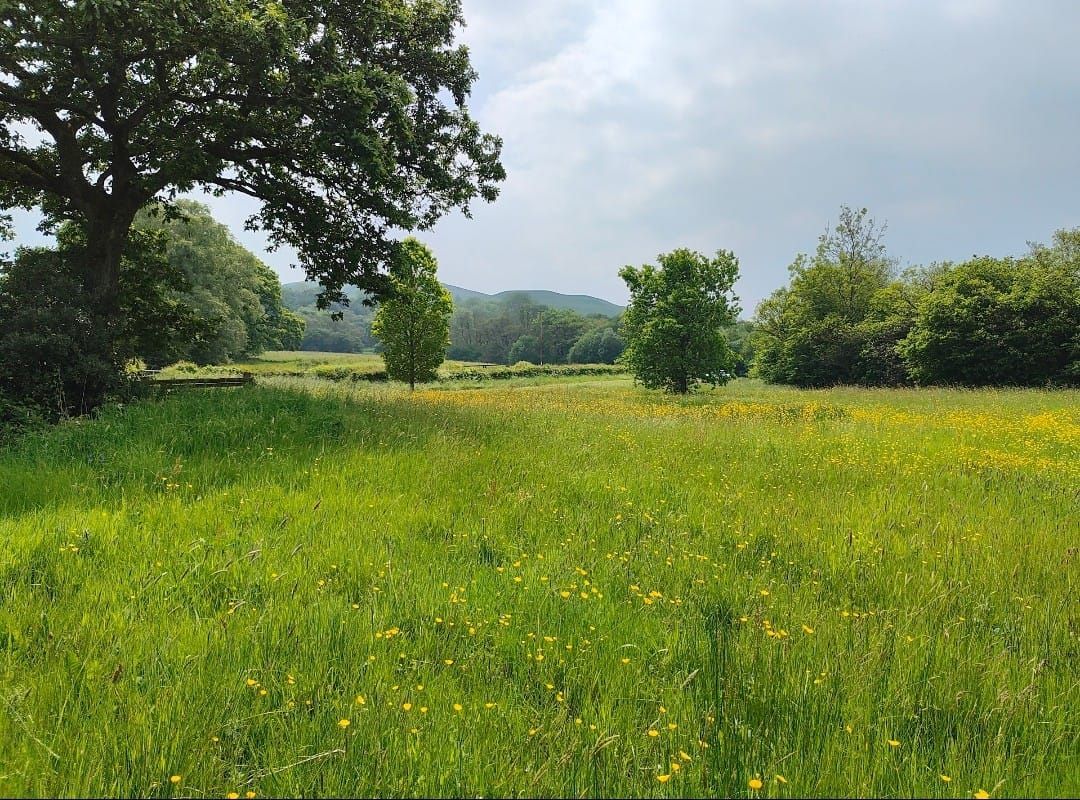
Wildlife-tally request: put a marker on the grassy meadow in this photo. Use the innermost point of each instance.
(572, 587)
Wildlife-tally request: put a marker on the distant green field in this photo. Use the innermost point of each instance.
(370, 366)
(284, 361)
(546, 589)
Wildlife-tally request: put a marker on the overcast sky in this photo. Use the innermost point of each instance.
(633, 127)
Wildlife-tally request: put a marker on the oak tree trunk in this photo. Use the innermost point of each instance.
(106, 240)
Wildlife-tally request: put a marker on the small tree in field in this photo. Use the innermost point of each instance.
(674, 325)
(414, 323)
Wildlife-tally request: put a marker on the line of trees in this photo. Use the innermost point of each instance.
(848, 316)
(516, 329)
(501, 331)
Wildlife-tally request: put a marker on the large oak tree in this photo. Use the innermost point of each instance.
(346, 119)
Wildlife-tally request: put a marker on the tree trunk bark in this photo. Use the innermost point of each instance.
(106, 239)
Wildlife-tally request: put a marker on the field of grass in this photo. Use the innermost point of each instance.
(550, 588)
(289, 362)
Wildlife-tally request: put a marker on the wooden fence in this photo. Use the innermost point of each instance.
(200, 382)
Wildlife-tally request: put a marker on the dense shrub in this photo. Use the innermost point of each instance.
(526, 348)
(879, 362)
(985, 321)
(333, 372)
(818, 330)
(54, 356)
(59, 354)
(531, 371)
(994, 321)
(16, 417)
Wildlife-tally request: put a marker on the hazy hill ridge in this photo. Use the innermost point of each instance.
(302, 293)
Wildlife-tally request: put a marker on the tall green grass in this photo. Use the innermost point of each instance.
(551, 589)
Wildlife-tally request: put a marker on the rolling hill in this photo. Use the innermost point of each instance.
(302, 293)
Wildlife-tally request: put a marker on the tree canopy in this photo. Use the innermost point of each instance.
(999, 321)
(235, 296)
(675, 323)
(597, 346)
(813, 331)
(413, 323)
(846, 318)
(346, 120)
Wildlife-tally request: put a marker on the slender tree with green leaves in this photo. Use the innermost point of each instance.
(674, 325)
(413, 323)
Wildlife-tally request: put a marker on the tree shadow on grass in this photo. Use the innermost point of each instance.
(210, 439)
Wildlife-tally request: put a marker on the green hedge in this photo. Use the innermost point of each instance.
(531, 371)
(335, 373)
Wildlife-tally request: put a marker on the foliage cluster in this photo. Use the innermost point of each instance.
(413, 322)
(597, 346)
(847, 317)
(235, 296)
(58, 358)
(675, 325)
(187, 291)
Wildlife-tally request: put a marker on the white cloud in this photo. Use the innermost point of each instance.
(745, 126)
